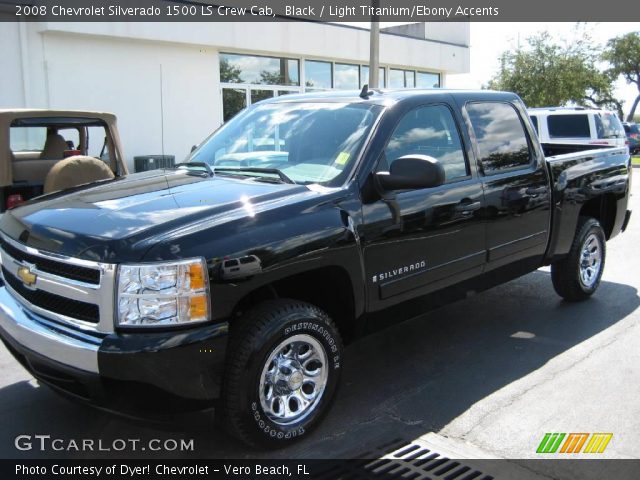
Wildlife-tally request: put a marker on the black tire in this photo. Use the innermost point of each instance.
(566, 273)
(258, 335)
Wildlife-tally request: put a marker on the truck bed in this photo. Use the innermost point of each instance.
(556, 149)
(593, 180)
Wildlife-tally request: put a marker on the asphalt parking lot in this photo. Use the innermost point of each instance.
(492, 373)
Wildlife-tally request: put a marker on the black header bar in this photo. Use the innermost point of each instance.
(314, 10)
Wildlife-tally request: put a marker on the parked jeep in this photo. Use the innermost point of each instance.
(33, 143)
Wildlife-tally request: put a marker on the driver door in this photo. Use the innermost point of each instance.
(419, 241)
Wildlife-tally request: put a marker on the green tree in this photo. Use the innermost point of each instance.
(623, 53)
(547, 73)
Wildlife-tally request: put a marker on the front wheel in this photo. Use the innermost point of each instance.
(577, 276)
(282, 371)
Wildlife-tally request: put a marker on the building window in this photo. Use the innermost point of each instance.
(396, 78)
(259, 70)
(409, 78)
(346, 77)
(318, 74)
(364, 76)
(258, 95)
(402, 78)
(427, 80)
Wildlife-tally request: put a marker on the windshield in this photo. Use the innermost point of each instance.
(608, 126)
(307, 142)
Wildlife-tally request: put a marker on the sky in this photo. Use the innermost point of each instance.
(490, 39)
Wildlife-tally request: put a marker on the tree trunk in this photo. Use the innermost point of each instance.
(633, 109)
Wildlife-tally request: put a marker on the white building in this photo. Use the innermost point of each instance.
(172, 84)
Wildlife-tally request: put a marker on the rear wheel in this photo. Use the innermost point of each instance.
(577, 276)
(282, 371)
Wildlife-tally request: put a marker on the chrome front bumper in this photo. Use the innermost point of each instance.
(50, 339)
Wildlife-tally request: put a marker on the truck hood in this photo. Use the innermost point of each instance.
(118, 220)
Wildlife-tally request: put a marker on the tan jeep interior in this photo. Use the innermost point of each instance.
(31, 166)
(54, 145)
(33, 155)
(74, 171)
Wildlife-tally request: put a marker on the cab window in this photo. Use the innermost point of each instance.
(430, 130)
(500, 137)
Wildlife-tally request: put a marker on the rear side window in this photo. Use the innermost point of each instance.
(27, 139)
(430, 130)
(608, 126)
(571, 126)
(534, 121)
(500, 137)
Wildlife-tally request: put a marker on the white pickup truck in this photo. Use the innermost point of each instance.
(561, 127)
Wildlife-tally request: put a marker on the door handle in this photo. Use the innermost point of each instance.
(534, 192)
(467, 207)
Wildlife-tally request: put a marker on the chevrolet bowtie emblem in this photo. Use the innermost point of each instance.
(27, 276)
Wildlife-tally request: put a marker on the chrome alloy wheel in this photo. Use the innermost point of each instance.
(293, 379)
(590, 261)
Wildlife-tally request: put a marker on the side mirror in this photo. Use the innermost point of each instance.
(412, 172)
(193, 147)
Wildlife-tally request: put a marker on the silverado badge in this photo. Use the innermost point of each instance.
(27, 276)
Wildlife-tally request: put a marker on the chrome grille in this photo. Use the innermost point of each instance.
(87, 312)
(74, 272)
(67, 290)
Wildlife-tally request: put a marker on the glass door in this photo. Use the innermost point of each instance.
(260, 94)
(233, 101)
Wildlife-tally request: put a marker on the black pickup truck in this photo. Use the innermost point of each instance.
(305, 222)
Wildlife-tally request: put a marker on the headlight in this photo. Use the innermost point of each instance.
(160, 294)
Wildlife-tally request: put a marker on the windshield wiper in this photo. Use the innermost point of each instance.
(195, 167)
(273, 171)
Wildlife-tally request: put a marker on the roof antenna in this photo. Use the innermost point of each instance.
(365, 92)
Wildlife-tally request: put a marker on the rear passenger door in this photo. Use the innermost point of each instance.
(418, 241)
(515, 181)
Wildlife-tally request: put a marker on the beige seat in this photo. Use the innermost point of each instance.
(75, 171)
(31, 171)
(54, 147)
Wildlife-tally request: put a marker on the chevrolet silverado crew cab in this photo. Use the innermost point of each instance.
(234, 279)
